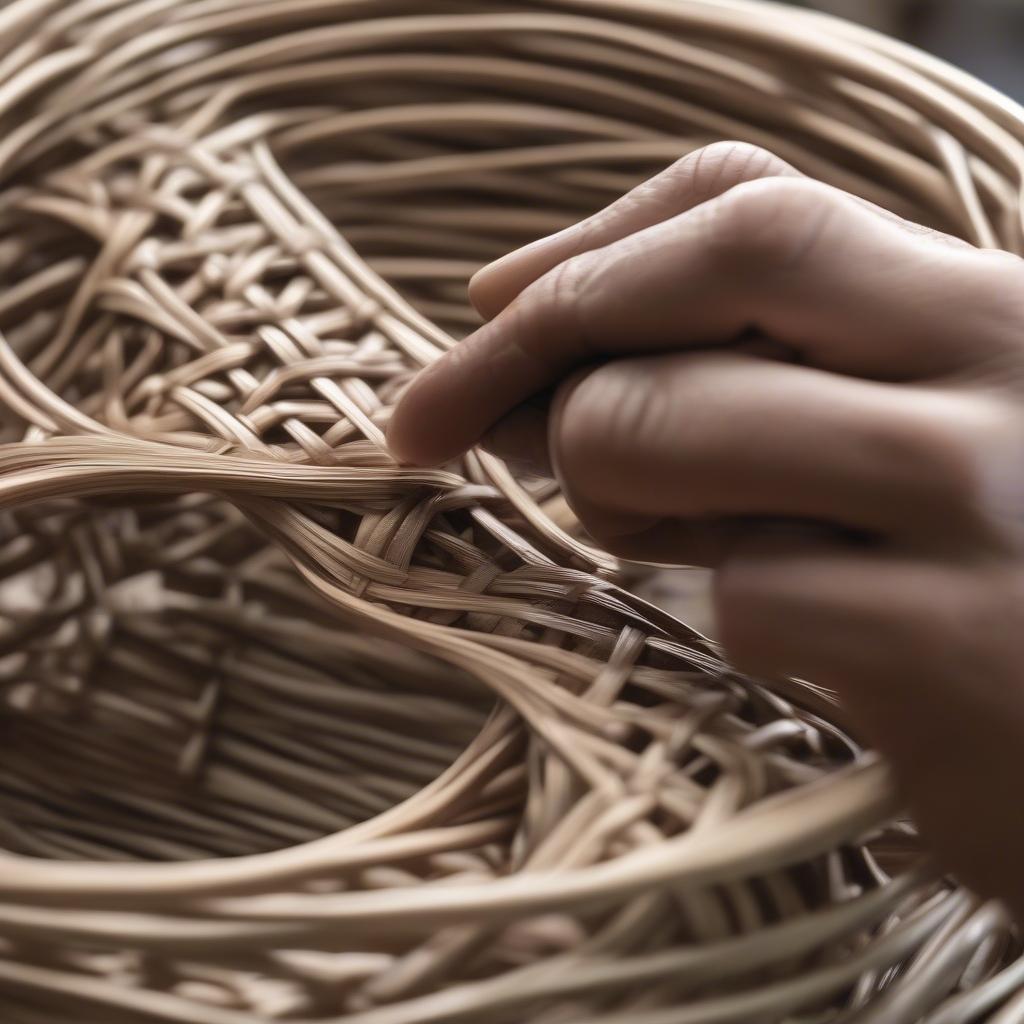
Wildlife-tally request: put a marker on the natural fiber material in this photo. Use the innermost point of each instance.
(230, 233)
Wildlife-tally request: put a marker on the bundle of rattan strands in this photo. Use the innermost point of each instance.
(289, 731)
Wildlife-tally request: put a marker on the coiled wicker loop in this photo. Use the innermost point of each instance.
(230, 233)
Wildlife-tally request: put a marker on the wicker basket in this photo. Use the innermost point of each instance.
(508, 789)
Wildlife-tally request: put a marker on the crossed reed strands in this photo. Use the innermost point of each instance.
(230, 233)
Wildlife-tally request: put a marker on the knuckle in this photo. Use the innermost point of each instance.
(716, 168)
(722, 165)
(692, 180)
(585, 435)
(552, 304)
(771, 221)
(639, 400)
(558, 290)
(612, 419)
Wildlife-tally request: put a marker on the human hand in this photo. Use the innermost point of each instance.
(760, 373)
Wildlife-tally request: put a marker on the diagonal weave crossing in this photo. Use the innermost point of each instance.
(508, 789)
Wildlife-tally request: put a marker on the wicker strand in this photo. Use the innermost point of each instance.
(288, 731)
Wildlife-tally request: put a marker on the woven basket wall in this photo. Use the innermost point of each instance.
(289, 732)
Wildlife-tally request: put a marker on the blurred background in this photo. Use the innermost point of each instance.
(986, 37)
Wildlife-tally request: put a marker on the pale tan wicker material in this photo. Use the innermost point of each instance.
(291, 732)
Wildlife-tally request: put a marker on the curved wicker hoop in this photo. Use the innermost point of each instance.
(230, 233)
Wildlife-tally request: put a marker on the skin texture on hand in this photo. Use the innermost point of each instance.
(759, 373)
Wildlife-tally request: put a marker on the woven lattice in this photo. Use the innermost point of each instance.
(291, 732)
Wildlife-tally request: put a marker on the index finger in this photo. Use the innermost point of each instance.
(690, 181)
(801, 262)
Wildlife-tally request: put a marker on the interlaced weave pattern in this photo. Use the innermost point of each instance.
(291, 732)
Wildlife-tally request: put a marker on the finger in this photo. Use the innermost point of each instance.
(912, 647)
(720, 435)
(521, 440)
(715, 435)
(702, 175)
(521, 437)
(796, 260)
(694, 179)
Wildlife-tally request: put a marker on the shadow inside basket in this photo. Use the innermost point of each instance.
(171, 691)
